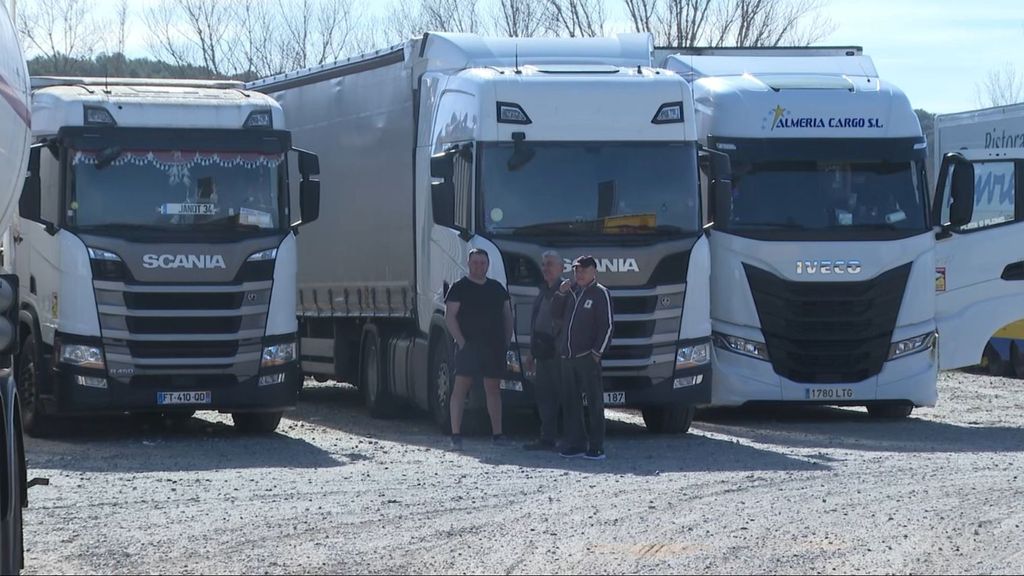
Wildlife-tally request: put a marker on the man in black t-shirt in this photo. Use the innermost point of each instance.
(479, 318)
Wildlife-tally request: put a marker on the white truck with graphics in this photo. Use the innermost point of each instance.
(516, 146)
(835, 279)
(993, 137)
(156, 252)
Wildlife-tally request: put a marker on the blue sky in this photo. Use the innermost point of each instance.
(937, 51)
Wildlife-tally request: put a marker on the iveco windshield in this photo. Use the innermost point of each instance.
(838, 188)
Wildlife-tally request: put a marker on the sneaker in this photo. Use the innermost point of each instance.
(499, 440)
(456, 443)
(572, 452)
(594, 455)
(540, 446)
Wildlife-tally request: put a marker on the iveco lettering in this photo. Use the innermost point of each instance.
(183, 261)
(835, 278)
(473, 139)
(158, 263)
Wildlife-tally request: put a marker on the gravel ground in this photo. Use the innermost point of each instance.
(801, 490)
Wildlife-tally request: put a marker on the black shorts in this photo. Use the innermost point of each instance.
(481, 361)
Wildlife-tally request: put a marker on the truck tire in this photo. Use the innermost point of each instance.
(34, 421)
(995, 364)
(890, 410)
(375, 394)
(256, 422)
(440, 389)
(674, 419)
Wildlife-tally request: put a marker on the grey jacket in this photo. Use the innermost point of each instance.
(587, 320)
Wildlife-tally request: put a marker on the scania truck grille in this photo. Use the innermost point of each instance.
(828, 332)
(647, 322)
(151, 330)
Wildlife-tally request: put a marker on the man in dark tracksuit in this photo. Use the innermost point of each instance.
(587, 319)
(544, 358)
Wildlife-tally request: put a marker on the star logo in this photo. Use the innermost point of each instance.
(778, 112)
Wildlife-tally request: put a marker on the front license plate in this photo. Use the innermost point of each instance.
(829, 394)
(165, 398)
(614, 398)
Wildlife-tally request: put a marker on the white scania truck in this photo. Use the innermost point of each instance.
(836, 278)
(155, 249)
(517, 146)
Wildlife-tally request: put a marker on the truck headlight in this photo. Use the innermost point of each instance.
(693, 356)
(82, 356)
(751, 348)
(912, 345)
(278, 355)
(512, 360)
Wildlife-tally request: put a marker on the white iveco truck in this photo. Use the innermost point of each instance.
(835, 278)
(453, 142)
(156, 252)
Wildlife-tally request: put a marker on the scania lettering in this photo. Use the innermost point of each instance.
(835, 278)
(514, 146)
(183, 261)
(156, 251)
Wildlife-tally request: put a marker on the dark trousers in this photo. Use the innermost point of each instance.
(583, 376)
(548, 392)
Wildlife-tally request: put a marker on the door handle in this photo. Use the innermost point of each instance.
(1014, 272)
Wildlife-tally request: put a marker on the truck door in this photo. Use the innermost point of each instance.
(979, 202)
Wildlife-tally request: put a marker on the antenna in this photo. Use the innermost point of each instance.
(518, 71)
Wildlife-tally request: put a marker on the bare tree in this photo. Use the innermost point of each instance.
(730, 22)
(61, 31)
(1002, 86)
(577, 18)
(259, 45)
(315, 31)
(451, 15)
(198, 32)
(520, 18)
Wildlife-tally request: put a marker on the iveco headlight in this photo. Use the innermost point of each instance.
(693, 356)
(751, 348)
(278, 354)
(912, 345)
(512, 360)
(82, 356)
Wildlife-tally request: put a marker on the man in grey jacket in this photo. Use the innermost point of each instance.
(585, 307)
(544, 358)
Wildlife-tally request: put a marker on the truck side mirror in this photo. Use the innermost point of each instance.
(961, 209)
(442, 199)
(309, 201)
(30, 204)
(309, 163)
(718, 166)
(442, 166)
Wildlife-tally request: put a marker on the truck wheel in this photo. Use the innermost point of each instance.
(440, 390)
(256, 422)
(994, 363)
(375, 394)
(34, 420)
(890, 410)
(1016, 361)
(674, 419)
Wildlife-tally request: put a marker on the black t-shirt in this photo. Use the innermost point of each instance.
(481, 310)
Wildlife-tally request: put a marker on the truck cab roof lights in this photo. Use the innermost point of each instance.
(509, 113)
(98, 116)
(260, 119)
(669, 113)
